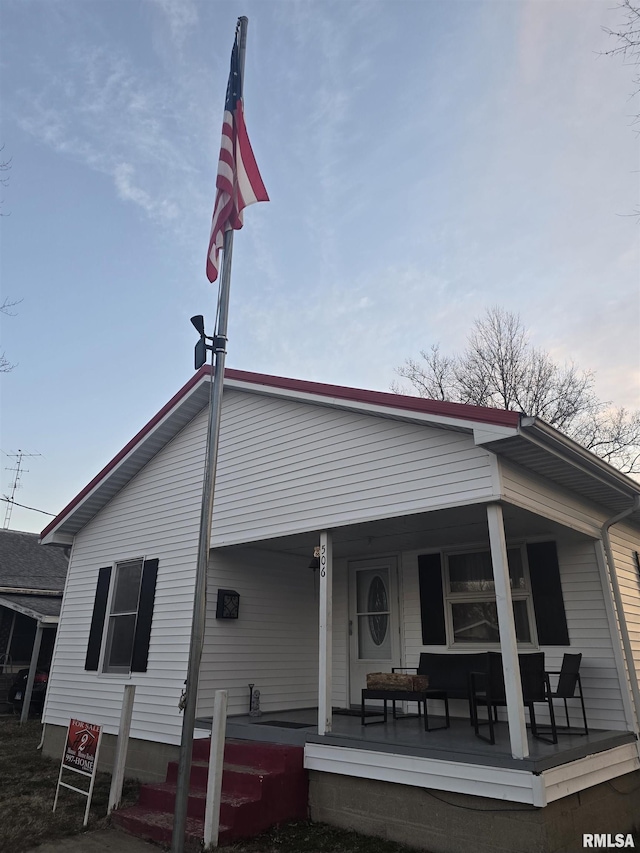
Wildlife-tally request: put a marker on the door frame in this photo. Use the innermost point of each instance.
(355, 670)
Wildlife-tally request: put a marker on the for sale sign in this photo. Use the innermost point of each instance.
(81, 756)
(82, 746)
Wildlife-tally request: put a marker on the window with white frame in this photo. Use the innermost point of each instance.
(470, 597)
(120, 631)
(123, 612)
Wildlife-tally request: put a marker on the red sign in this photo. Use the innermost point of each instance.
(82, 743)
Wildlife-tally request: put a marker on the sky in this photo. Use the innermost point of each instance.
(425, 161)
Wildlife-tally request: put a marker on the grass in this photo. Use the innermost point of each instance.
(307, 837)
(28, 789)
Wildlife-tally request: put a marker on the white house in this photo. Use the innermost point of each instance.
(446, 528)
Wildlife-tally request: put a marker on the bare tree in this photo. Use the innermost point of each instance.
(5, 308)
(628, 38)
(5, 166)
(500, 368)
(7, 305)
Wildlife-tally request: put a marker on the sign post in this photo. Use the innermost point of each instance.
(117, 779)
(80, 756)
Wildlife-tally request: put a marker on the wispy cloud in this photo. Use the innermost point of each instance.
(123, 175)
(181, 17)
(99, 109)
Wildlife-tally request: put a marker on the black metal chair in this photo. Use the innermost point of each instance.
(487, 689)
(568, 681)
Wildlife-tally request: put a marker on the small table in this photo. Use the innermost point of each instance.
(419, 696)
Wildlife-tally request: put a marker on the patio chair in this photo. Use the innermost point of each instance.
(488, 690)
(568, 681)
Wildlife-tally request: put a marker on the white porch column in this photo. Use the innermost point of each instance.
(325, 659)
(26, 699)
(507, 628)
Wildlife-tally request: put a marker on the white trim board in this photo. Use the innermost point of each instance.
(499, 783)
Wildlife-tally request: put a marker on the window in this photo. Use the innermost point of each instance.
(122, 616)
(123, 613)
(535, 586)
(374, 614)
(471, 610)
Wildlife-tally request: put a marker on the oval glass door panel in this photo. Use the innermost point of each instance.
(374, 614)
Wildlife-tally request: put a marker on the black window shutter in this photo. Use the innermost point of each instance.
(145, 616)
(548, 603)
(431, 600)
(97, 620)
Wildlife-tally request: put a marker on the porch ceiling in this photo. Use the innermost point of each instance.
(460, 526)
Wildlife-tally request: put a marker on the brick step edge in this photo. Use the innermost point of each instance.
(200, 771)
(158, 827)
(161, 797)
(155, 826)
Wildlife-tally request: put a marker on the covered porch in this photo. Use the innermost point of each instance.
(311, 692)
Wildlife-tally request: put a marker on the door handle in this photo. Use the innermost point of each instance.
(350, 627)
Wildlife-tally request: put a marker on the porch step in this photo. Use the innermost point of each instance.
(158, 826)
(263, 785)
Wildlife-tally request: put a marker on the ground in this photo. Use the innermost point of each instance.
(28, 789)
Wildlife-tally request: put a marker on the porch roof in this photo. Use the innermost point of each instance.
(44, 609)
(462, 526)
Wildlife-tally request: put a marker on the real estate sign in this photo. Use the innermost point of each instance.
(82, 746)
(80, 756)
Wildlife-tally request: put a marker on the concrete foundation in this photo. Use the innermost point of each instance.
(443, 822)
(146, 760)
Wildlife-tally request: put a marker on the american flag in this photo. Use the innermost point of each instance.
(238, 183)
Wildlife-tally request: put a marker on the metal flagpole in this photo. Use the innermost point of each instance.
(208, 488)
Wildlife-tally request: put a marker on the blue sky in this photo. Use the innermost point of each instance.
(425, 160)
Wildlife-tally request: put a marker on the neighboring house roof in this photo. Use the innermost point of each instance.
(40, 607)
(31, 577)
(527, 441)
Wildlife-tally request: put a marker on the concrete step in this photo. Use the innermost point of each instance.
(162, 797)
(158, 826)
(262, 785)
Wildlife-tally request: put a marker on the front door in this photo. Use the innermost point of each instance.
(374, 625)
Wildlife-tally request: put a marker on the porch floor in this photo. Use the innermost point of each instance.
(407, 737)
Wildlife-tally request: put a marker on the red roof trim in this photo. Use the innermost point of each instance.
(480, 414)
(460, 411)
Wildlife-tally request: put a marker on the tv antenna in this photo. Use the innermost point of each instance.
(15, 485)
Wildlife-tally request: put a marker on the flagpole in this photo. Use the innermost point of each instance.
(206, 513)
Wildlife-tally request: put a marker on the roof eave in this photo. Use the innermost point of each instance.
(28, 611)
(541, 433)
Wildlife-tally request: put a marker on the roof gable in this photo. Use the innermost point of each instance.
(194, 396)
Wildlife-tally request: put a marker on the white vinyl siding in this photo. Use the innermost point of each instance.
(542, 497)
(157, 516)
(624, 541)
(273, 643)
(287, 467)
(589, 633)
(340, 634)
